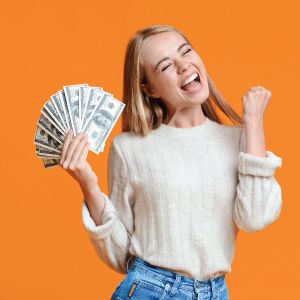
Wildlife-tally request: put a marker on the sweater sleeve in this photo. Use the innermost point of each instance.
(258, 199)
(111, 239)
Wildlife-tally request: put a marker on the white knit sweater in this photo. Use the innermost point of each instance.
(176, 194)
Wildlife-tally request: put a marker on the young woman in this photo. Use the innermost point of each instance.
(181, 183)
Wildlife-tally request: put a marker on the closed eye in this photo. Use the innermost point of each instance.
(188, 50)
(164, 68)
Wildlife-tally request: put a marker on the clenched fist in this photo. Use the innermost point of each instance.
(255, 101)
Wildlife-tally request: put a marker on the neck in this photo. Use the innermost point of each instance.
(186, 117)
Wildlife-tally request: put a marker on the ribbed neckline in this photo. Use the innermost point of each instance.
(196, 131)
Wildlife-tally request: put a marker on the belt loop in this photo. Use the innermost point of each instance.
(127, 268)
(175, 285)
(213, 290)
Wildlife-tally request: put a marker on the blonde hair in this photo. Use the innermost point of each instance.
(143, 113)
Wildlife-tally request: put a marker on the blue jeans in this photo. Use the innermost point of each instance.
(148, 282)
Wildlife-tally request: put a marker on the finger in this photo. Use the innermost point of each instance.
(67, 141)
(77, 151)
(71, 149)
(256, 88)
(84, 153)
(268, 95)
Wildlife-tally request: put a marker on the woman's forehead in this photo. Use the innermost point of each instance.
(160, 45)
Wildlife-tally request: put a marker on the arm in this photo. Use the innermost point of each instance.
(258, 200)
(109, 233)
(111, 236)
(74, 161)
(95, 201)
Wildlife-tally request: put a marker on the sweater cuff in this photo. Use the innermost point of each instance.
(258, 166)
(109, 217)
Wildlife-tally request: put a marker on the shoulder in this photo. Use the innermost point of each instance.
(232, 133)
(125, 139)
(125, 143)
(235, 131)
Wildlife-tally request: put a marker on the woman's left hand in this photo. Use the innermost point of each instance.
(255, 101)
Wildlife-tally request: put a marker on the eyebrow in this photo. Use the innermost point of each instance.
(156, 66)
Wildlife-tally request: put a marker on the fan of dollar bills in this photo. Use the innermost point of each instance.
(79, 108)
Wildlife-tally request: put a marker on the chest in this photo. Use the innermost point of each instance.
(204, 169)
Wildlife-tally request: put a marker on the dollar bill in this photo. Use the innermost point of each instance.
(72, 97)
(84, 94)
(104, 118)
(60, 110)
(82, 108)
(50, 162)
(48, 156)
(63, 101)
(49, 117)
(42, 138)
(45, 124)
(95, 97)
(50, 108)
(102, 147)
(44, 152)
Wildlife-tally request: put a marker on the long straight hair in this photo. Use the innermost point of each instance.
(143, 113)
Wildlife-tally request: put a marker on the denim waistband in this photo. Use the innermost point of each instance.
(174, 277)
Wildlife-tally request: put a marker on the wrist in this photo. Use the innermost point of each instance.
(90, 187)
(254, 124)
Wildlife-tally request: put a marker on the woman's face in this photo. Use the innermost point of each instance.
(169, 61)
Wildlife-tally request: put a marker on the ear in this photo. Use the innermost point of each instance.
(146, 89)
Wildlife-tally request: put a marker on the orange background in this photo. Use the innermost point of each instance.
(45, 252)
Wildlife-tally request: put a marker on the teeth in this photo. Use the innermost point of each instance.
(190, 79)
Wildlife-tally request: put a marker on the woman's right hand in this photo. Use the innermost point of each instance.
(73, 160)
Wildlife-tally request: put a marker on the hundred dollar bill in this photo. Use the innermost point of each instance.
(84, 94)
(50, 108)
(45, 140)
(50, 162)
(49, 117)
(102, 147)
(95, 97)
(104, 118)
(72, 96)
(63, 101)
(60, 110)
(45, 124)
(44, 152)
(48, 156)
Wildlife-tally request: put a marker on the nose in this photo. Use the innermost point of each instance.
(183, 66)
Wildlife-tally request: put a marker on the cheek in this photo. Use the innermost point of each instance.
(198, 61)
(169, 85)
(163, 80)
(202, 68)
(170, 79)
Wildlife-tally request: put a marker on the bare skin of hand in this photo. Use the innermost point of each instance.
(255, 101)
(73, 159)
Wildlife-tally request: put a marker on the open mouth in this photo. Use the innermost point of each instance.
(192, 84)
